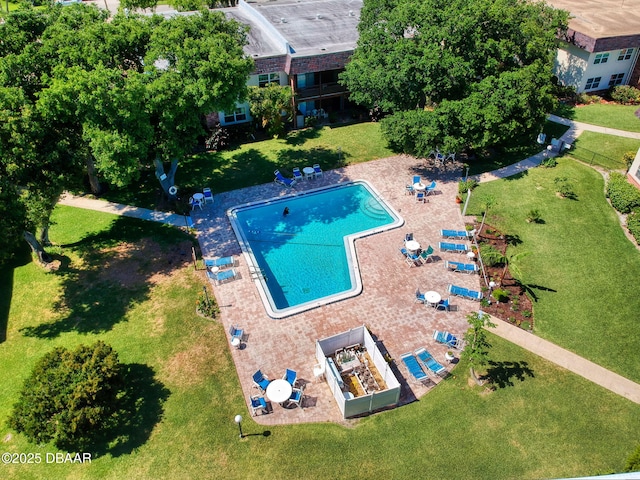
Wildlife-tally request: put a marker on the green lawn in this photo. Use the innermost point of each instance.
(528, 428)
(253, 163)
(606, 115)
(603, 150)
(580, 262)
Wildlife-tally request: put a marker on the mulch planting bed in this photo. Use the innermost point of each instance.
(519, 308)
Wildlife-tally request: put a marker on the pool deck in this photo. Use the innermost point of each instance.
(386, 304)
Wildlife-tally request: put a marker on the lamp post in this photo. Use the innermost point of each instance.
(238, 420)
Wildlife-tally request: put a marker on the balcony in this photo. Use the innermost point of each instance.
(319, 91)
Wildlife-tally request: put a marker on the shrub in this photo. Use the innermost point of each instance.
(526, 325)
(633, 224)
(549, 162)
(534, 216)
(628, 158)
(485, 302)
(500, 295)
(70, 396)
(624, 196)
(564, 187)
(526, 313)
(467, 185)
(310, 121)
(218, 139)
(490, 255)
(625, 94)
(207, 306)
(586, 99)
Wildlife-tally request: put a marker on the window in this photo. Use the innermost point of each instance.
(625, 54)
(601, 58)
(267, 78)
(593, 83)
(239, 115)
(616, 79)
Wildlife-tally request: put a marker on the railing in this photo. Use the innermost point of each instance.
(322, 90)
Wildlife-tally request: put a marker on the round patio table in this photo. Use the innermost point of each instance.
(419, 187)
(433, 298)
(198, 197)
(412, 245)
(309, 172)
(279, 391)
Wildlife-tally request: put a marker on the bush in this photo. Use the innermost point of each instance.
(625, 94)
(624, 196)
(549, 162)
(70, 396)
(467, 185)
(310, 121)
(564, 187)
(525, 325)
(207, 306)
(633, 462)
(500, 295)
(490, 255)
(586, 99)
(534, 216)
(628, 159)
(633, 224)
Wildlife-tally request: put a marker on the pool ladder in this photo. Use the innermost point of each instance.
(256, 273)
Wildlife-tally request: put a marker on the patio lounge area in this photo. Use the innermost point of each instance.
(386, 304)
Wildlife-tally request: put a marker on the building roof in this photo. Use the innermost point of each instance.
(602, 18)
(299, 27)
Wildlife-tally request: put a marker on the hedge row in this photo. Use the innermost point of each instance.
(633, 224)
(624, 196)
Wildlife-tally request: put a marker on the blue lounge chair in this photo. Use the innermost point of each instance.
(297, 174)
(470, 268)
(223, 276)
(447, 338)
(459, 291)
(290, 376)
(219, 262)
(414, 367)
(258, 403)
(474, 295)
(287, 182)
(317, 170)
(430, 188)
(428, 361)
(260, 380)
(453, 247)
(454, 233)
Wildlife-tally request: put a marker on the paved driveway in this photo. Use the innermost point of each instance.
(386, 304)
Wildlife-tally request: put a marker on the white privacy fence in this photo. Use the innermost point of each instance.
(349, 405)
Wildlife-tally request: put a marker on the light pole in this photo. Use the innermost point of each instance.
(238, 420)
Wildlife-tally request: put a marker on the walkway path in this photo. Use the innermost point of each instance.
(124, 210)
(575, 129)
(569, 360)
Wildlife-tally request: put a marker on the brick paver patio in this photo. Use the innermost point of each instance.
(386, 304)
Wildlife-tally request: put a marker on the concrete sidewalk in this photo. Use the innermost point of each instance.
(569, 360)
(125, 210)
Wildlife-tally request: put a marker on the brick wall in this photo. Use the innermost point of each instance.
(270, 64)
(319, 63)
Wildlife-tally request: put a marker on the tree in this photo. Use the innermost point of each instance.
(476, 351)
(80, 95)
(70, 396)
(271, 105)
(475, 72)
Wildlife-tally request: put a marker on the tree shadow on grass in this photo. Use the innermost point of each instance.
(116, 271)
(300, 137)
(21, 257)
(327, 158)
(504, 374)
(141, 409)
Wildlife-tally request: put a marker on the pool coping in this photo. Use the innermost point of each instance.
(349, 246)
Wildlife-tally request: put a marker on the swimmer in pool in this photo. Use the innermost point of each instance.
(285, 212)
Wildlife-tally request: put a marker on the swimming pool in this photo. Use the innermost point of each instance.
(306, 258)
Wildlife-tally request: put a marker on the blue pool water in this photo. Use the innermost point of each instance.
(307, 258)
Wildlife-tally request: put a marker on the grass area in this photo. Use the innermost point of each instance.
(603, 150)
(579, 264)
(253, 163)
(621, 117)
(528, 428)
(520, 149)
